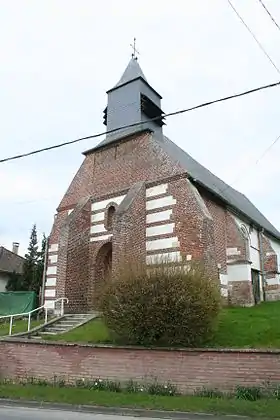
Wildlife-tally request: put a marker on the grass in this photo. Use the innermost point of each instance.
(18, 326)
(261, 408)
(255, 327)
(94, 331)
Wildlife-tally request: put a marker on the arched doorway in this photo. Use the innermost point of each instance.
(103, 266)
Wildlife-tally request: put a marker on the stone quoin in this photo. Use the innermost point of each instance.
(138, 196)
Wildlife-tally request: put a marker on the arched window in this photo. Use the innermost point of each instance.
(244, 231)
(110, 216)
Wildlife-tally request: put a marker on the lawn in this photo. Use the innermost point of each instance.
(255, 327)
(19, 326)
(262, 408)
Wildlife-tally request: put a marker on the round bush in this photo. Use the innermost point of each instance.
(163, 306)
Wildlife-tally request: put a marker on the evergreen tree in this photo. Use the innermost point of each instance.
(33, 267)
(15, 283)
(31, 261)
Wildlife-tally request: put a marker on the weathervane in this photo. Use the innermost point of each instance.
(134, 49)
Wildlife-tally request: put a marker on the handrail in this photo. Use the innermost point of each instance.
(12, 316)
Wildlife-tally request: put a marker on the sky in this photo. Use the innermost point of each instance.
(59, 57)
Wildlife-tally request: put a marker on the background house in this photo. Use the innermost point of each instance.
(10, 262)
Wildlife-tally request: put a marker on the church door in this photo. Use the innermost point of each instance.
(256, 286)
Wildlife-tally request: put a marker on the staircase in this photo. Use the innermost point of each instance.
(64, 324)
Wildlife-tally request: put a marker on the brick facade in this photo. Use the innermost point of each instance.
(157, 211)
(187, 369)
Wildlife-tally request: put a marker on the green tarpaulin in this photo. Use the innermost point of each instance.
(17, 302)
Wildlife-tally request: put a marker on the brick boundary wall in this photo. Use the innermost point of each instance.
(188, 369)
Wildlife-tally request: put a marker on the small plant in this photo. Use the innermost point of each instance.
(80, 383)
(61, 383)
(42, 382)
(156, 388)
(132, 387)
(113, 386)
(209, 393)
(276, 393)
(98, 384)
(248, 393)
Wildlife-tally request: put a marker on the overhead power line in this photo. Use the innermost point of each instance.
(182, 111)
(269, 14)
(255, 163)
(254, 36)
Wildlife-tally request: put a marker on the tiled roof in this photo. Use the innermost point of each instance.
(10, 262)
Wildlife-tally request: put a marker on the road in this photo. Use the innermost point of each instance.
(23, 413)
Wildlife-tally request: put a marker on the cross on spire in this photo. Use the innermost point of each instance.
(134, 49)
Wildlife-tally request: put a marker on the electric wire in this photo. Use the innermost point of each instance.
(254, 36)
(164, 115)
(269, 14)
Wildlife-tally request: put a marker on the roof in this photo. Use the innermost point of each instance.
(202, 176)
(133, 71)
(10, 262)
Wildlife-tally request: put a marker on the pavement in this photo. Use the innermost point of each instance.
(17, 412)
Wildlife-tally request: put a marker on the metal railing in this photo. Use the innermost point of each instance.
(29, 314)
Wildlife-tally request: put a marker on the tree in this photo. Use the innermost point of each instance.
(31, 259)
(33, 267)
(34, 263)
(15, 283)
(168, 305)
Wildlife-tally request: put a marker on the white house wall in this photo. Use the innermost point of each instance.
(254, 249)
(239, 272)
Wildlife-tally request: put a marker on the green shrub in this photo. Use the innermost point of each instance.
(167, 305)
(156, 388)
(248, 393)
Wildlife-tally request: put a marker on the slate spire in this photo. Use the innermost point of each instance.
(131, 101)
(133, 71)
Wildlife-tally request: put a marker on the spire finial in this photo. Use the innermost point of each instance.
(134, 49)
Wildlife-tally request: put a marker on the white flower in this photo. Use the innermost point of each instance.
(165, 386)
(141, 389)
(96, 384)
(83, 379)
(100, 380)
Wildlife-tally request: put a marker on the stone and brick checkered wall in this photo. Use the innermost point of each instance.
(187, 369)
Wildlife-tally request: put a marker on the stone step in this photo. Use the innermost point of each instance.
(66, 324)
(75, 320)
(55, 329)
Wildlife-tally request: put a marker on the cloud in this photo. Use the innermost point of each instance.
(59, 58)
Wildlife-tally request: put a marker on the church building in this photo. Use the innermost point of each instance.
(138, 196)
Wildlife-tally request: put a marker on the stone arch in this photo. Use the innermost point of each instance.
(103, 264)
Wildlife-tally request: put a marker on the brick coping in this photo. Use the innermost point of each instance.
(127, 347)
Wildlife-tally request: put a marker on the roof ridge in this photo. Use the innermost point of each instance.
(10, 252)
